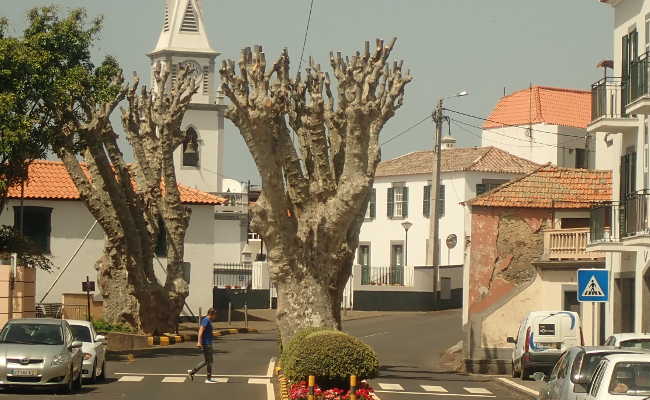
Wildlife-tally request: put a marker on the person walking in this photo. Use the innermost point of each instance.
(204, 342)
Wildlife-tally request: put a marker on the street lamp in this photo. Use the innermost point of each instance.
(406, 225)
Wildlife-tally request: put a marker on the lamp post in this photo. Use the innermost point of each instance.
(406, 225)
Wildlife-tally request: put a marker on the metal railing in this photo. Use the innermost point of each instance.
(605, 223)
(234, 199)
(634, 215)
(607, 96)
(568, 244)
(638, 78)
(233, 275)
(48, 310)
(392, 275)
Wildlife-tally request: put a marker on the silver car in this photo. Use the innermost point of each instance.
(40, 352)
(572, 374)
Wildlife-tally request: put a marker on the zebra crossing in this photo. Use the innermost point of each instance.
(434, 390)
(177, 378)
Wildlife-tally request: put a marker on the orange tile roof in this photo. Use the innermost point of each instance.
(49, 180)
(551, 187)
(542, 104)
(478, 159)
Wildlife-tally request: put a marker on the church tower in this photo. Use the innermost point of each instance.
(183, 40)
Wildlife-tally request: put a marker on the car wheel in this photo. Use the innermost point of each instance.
(78, 382)
(525, 371)
(93, 374)
(102, 375)
(515, 374)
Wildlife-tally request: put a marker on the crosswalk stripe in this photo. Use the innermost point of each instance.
(131, 378)
(257, 381)
(438, 389)
(220, 380)
(173, 379)
(391, 386)
(477, 390)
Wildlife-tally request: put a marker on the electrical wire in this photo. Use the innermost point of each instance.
(304, 42)
(407, 130)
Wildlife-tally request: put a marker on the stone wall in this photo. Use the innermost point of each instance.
(21, 303)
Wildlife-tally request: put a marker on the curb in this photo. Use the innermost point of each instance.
(164, 340)
(168, 339)
(521, 389)
(283, 383)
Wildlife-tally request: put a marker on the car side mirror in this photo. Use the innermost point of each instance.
(75, 345)
(539, 376)
(100, 338)
(510, 339)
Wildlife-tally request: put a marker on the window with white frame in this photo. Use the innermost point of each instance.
(372, 205)
(397, 201)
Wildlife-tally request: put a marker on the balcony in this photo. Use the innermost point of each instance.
(568, 244)
(235, 202)
(607, 107)
(618, 224)
(639, 96)
(635, 226)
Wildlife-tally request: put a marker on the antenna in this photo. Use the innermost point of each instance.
(529, 133)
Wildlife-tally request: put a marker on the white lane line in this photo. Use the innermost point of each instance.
(520, 387)
(228, 376)
(438, 394)
(220, 380)
(391, 386)
(270, 391)
(473, 390)
(429, 388)
(131, 378)
(271, 369)
(374, 334)
(258, 381)
(172, 379)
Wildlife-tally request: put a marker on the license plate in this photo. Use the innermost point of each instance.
(24, 372)
(547, 345)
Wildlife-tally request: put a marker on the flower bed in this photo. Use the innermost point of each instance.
(300, 390)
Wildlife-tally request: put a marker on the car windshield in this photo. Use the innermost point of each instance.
(81, 333)
(636, 343)
(31, 334)
(591, 362)
(631, 379)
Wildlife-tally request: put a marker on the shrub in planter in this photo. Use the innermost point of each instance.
(295, 343)
(332, 356)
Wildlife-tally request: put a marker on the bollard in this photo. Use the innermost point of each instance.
(312, 383)
(229, 312)
(246, 315)
(353, 387)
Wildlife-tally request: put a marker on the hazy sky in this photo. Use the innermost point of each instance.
(478, 45)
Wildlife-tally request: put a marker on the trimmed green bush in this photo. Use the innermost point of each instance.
(332, 356)
(295, 343)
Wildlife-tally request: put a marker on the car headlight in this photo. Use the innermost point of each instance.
(58, 360)
(87, 356)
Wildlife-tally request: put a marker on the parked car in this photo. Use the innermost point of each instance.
(572, 374)
(542, 338)
(621, 377)
(94, 349)
(41, 352)
(638, 340)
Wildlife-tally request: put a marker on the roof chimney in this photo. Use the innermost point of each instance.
(447, 142)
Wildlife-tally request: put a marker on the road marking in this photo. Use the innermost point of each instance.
(258, 381)
(477, 390)
(228, 376)
(391, 386)
(220, 380)
(374, 334)
(269, 371)
(429, 388)
(270, 391)
(172, 379)
(520, 387)
(131, 378)
(437, 394)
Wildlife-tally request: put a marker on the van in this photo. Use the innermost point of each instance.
(542, 338)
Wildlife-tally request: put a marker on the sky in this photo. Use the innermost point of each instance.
(484, 47)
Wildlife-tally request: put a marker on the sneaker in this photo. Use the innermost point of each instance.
(211, 380)
(190, 374)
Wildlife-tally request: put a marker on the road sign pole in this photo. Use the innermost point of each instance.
(593, 323)
(88, 294)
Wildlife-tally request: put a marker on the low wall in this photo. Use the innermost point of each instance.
(126, 341)
(21, 304)
(75, 306)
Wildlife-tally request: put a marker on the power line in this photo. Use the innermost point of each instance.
(462, 128)
(512, 126)
(407, 130)
(304, 42)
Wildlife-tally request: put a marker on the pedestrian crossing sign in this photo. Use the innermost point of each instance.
(593, 285)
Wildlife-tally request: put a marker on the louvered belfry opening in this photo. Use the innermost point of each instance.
(166, 23)
(190, 19)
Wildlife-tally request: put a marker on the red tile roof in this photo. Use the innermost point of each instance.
(541, 104)
(478, 159)
(49, 180)
(551, 187)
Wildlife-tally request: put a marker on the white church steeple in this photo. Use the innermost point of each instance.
(184, 41)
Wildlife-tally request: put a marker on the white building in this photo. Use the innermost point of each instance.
(543, 124)
(401, 193)
(620, 126)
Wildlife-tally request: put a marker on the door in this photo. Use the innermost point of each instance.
(363, 259)
(396, 272)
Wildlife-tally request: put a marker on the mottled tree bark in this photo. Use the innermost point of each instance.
(315, 190)
(134, 202)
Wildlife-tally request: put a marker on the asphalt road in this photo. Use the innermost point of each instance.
(408, 346)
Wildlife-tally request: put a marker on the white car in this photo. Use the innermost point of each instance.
(93, 347)
(621, 377)
(635, 340)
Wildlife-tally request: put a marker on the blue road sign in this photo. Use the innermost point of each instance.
(593, 285)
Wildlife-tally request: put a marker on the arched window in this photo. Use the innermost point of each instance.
(191, 148)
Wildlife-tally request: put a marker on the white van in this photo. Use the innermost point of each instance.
(542, 338)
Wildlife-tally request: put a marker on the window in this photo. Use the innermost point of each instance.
(570, 223)
(571, 301)
(206, 80)
(628, 175)
(631, 378)
(397, 201)
(372, 204)
(441, 201)
(363, 255)
(426, 201)
(36, 225)
(581, 158)
(191, 148)
(161, 240)
(488, 184)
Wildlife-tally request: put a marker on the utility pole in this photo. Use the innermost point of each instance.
(435, 188)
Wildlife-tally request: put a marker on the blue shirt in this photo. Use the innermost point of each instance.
(207, 331)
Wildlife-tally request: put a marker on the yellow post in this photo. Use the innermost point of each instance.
(353, 387)
(311, 384)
